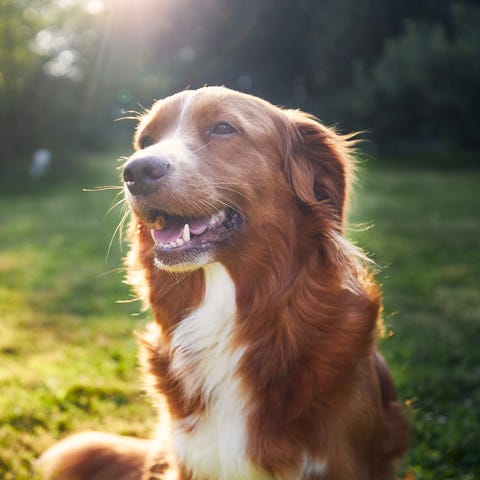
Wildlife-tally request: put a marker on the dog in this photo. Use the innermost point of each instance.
(262, 358)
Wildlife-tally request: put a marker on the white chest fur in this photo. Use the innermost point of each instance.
(205, 359)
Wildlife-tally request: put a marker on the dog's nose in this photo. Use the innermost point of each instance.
(143, 175)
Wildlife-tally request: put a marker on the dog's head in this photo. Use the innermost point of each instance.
(217, 173)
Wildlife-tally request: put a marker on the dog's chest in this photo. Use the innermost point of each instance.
(205, 360)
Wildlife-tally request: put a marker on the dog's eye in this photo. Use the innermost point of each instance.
(146, 142)
(223, 128)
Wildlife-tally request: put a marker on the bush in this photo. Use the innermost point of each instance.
(423, 89)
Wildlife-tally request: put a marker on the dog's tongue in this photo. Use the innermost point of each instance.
(174, 228)
(198, 225)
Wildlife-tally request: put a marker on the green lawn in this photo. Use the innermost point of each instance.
(68, 358)
(425, 237)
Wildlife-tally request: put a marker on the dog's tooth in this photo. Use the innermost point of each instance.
(179, 242)
(173, 244)
(186, 233)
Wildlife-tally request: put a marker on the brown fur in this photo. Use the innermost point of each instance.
(307, 308)
(96, 456)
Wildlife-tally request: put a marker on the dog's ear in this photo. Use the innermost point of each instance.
(318, 164)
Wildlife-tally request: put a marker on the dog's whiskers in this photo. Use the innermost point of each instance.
(118, 230)
(115, 205)
(202, 147)
(102, 188)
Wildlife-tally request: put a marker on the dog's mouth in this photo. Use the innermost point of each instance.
(184, 242)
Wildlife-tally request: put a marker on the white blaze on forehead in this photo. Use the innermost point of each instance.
(173, 148)
(172, 144)
(205, 359)
(180, 123)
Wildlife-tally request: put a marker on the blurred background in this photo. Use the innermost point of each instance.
(406, 72)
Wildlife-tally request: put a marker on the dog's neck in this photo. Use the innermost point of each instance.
(225, 358)
(205, 359)
(206, 335)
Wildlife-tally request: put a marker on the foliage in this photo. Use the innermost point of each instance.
(69, 69)
(424, 85)
(18, 64)
(68, 357)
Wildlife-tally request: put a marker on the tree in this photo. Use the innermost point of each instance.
(423, 87)
(17, 64)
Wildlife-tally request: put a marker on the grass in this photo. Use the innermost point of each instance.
(68, 358)
(67, 354)
(425, 238)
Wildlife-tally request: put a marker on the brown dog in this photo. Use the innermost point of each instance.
(263, 347)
